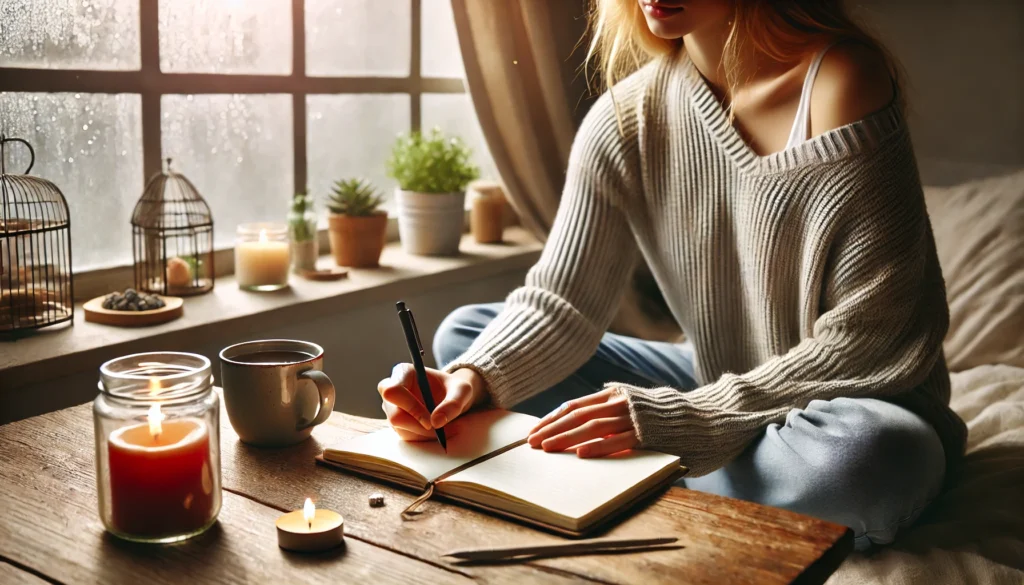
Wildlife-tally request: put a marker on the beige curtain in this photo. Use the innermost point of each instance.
(523, 60)
(519, 68)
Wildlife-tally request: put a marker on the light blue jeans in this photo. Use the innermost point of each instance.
(864, 463)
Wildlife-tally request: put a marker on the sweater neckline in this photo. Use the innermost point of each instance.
(836, 144)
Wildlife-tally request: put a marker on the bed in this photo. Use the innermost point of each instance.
(974, 532)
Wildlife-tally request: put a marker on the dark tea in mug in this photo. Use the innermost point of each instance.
(274, 357)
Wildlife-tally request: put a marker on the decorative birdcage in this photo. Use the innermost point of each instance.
(172, 237)
(35, 249)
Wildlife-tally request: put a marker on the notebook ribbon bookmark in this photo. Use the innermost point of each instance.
(412, 510)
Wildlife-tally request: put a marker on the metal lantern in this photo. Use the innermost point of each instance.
(172, 237)
(35, 250)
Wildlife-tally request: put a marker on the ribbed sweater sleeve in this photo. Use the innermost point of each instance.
(553, 324)
(879, 334)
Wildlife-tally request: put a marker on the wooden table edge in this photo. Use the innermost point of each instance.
(820, 570)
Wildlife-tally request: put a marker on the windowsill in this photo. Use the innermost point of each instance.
(227, 310)
(95, 282)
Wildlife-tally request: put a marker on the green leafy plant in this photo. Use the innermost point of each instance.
(194, 263)
(354, 197)
(431, 163)
(301, 221)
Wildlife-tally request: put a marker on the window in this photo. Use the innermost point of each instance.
(252, 99)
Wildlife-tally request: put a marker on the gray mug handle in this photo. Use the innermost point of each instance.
(326, 389)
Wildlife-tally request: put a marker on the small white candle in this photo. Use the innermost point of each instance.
(310, 529)
(261, 264)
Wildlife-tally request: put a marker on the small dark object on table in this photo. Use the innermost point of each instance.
(376, 500)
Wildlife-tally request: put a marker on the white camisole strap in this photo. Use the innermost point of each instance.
(802, 122)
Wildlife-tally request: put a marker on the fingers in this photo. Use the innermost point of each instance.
(573, 419)
(403, 401)
(458, 399)
(567, 407)
(588, 431)
(410, 437)
(401, 390)
(607, 446)
(408, 429)
(405, 425)
(438, 383)
(404, 375)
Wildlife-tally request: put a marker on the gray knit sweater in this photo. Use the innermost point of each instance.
(801, 275)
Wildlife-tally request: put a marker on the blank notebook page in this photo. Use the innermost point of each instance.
(479, 434)
(562, 482)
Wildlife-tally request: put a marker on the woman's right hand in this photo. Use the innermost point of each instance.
(453, 393)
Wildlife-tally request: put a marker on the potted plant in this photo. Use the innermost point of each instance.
(302, 232)
(357, 225)
(432, 173)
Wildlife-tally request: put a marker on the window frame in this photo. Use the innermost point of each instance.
(151, 84)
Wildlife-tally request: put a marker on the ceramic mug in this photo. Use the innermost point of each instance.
(275, 390)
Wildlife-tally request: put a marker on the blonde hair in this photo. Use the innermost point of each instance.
(784, 30)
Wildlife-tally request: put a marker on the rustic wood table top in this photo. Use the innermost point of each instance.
(50, 530)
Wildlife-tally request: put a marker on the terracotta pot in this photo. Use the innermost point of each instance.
(357, 241)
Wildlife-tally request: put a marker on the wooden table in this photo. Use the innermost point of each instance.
(50, 530)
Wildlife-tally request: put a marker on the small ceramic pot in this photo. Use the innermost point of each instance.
(430, 224)
(357, 241)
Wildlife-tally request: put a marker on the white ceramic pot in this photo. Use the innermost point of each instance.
(430, 224)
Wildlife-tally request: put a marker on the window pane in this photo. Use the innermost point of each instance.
(440, 54)
(351, 136)
(358, 37)
(453, 113)
(69, 34)
(90, 146)
(237, 151)
(214, 36)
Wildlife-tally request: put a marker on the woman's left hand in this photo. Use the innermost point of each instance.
(603, 416)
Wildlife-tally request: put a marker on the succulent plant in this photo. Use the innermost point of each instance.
(354, 197)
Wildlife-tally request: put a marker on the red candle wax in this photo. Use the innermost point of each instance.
(160, 478)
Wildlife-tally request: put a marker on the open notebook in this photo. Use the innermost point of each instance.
(489, 466)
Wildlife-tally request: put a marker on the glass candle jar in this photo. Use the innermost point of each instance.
(262, 256)
(157, 422)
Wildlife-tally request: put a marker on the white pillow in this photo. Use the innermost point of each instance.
(979, 234)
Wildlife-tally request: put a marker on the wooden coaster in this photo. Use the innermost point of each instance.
(329, 274)
(95, 313)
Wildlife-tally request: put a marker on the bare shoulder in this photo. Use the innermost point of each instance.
(852, 83)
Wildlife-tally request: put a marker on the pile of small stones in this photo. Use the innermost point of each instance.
(131, 300)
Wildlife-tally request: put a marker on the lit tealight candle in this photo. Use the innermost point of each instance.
(310, 529)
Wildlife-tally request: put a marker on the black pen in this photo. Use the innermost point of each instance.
(412, 336)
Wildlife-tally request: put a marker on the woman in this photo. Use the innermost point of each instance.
(759, 162)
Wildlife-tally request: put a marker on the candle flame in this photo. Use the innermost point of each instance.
(263, 235)
(155, 416)
(154, 386)
(308, 512)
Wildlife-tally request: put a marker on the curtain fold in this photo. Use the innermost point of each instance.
(513, 52)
